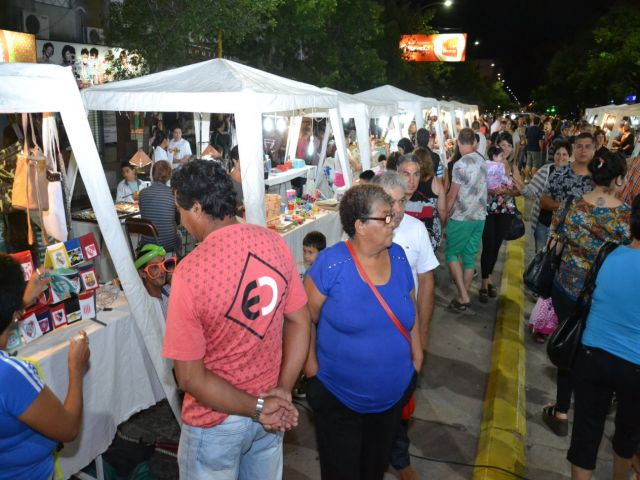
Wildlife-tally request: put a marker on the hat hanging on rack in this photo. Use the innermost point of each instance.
(140, 159)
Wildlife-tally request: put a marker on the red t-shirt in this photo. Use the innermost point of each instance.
(227, 306)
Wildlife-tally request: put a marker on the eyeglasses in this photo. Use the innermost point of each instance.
(154, 270)
(386, 219)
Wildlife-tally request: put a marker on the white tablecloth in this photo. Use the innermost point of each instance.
(326, 222)
(120, 380)
(288, 175)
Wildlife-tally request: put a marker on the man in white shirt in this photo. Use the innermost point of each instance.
(179, 148)
(411, 234)
(482, 143)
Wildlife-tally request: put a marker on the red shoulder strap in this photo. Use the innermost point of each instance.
(375, 291)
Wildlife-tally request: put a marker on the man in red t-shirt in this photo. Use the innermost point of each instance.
(238, 332)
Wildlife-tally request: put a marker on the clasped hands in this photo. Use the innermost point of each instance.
(278, 413)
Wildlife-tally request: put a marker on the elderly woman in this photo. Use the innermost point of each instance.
(32, 419)
(598, 217)
(609, 362)
(368, 351)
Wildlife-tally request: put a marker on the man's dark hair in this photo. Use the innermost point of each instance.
(161, 171)
(536, 121)
(606, 167)
(493, 151)
(392, 161)
(635, 218)
(406, 145)
(475, 125)
(68, 48)
(208, 184)
(506, 137)
(356, 204)
(84, 51)
(422, 138)
(12, 287)
(563, 144)
(126, 164)
(367, 175)
(315, 240)
(584, 135)
(466, 136)
(233, 154)
(93, 51)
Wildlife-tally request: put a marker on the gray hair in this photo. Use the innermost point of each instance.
(357, 203)
(390, 180)
(408, 157)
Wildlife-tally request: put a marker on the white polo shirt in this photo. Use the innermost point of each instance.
(184, 149)
(413, 237)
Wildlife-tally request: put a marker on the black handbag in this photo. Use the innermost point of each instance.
(565, 340)
(538, 276)
(516, 229)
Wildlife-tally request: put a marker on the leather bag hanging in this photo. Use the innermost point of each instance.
(516, 229)
(564, 341)
(30, 185)
(539, 274)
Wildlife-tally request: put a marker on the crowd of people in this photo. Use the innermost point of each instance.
(242, 323)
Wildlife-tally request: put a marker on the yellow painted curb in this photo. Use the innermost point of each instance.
(504, 423)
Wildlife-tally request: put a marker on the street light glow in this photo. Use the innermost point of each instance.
(476, 43)
(448, 3)
(493, 65)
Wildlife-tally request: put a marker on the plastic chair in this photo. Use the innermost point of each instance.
(140, 226)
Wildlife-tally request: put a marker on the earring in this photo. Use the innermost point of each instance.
(619, 184)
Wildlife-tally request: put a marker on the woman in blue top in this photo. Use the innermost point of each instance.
(366, 366)
(609, 362)
(32, 419)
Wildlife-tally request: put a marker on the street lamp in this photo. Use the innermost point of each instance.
(476, 43)
(493, 65)
(446, 3)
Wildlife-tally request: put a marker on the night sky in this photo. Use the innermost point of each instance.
(520, 35)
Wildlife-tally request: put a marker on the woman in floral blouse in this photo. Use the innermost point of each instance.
(599, 216)
(500, 209)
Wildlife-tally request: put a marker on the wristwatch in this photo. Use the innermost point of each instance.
(259, 407)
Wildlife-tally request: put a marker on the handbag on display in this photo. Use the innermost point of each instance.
(538, 276)
(8, 159)
(54, 220)
(410, 406)
(516, 229)
(564, 341)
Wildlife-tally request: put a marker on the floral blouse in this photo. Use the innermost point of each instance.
(501, 204)
(585, 230)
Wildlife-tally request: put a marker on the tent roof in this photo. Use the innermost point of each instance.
(351, 106)
(217, 85)
(404, 99)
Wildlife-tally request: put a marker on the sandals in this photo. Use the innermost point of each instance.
(493, 291)
(483, 295)
(457, 306)
(558, 426)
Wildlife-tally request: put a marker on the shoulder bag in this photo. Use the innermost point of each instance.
(516, 229)
(565, 340)
(538, 276)
(410, 406)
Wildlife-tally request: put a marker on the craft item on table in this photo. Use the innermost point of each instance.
(58, 316)
(30, 328)
(209, 153)
(299, 164)
(14, 339)
(26, 263)
(72, 308)
(87, 305)
(74, 250)
(328, 204)
(44, 320)
(88, 277)
(56, 257)
(62, 284)
(496, 176)
(291, 195)
(272, 206)
(89, 245)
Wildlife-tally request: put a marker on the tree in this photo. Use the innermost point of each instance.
(171, 33)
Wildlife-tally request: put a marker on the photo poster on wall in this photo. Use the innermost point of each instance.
(91, 64)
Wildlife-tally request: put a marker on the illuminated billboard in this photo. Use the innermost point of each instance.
(446, 47)
(17, 47)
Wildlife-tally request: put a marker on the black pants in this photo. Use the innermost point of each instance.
(496, 227)
(352, 446)
(400, 457)
(563, 306)
(597, 375)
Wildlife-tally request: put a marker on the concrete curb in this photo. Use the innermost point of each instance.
(504, 422)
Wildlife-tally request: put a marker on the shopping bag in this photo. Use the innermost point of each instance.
(543, 319)
(30, 185)
(54, 220)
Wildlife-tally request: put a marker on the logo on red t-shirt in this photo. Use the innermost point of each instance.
(259, 294)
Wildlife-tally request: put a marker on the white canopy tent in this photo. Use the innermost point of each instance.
(26, 87)
(362, 111)
(612, 116)
(407, 102)
(222, 86)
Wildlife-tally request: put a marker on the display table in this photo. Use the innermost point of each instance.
(326, 222)
(287, 176)
(120, 380)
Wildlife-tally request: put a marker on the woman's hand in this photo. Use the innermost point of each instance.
(37, 284)
(79, 354)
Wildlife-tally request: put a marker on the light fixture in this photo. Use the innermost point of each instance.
(476, 43)
(499, 74)
(493, 65)
(267, 124)
(448, 3)
(281, 125)
(140, 159)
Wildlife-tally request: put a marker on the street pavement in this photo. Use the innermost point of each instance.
(449, 403)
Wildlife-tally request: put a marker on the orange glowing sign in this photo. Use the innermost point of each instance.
(17, 47)
(446, 47)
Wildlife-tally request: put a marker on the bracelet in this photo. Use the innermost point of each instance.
(259, 407)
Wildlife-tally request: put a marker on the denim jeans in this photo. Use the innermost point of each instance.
(540, 234)
(238, 448)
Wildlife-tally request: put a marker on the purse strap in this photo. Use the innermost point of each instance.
(375, 291)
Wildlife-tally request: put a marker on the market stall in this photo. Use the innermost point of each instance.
(612, 116)
(222, 86)
(50, 88)
(411, 104)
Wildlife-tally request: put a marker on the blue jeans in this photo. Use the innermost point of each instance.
(540, 235)
(238, 448)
